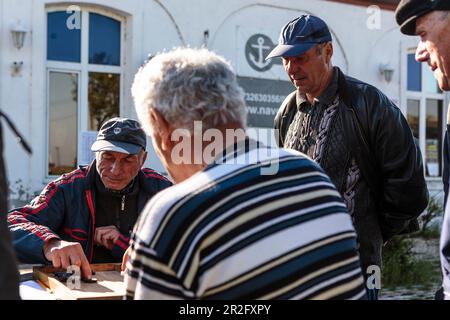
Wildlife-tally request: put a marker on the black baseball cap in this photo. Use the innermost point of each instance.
(120, 135)
(300, 35)
(408, 11)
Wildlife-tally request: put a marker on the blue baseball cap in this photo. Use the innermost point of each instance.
(300, 35)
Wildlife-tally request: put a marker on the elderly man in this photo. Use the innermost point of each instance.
(245, 221)
(356, 134)
(431, 21)
(87, 215)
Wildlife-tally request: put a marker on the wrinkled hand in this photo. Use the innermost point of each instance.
(125, 258)
(63, 254)
(106, 236)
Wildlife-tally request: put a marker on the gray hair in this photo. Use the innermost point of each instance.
(187, 85)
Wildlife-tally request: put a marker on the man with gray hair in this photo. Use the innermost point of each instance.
(231, 228)
(86, 216)
(431, 21)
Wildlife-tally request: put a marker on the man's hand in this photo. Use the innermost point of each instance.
(106, 236)
(63, 254)
(125, 258)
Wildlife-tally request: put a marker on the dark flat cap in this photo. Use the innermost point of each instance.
(408, 11)
(120, 135)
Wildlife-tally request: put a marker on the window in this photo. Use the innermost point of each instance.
(84, 80)
(63, 44)
(63, 100)
(104, 40)
(430, 83)
(414, 74)
(104, 98)
(413, 116)
(425, 113)
(433, 137)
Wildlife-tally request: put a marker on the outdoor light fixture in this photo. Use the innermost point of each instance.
(205, 38)
(18, 36)
(386, 71)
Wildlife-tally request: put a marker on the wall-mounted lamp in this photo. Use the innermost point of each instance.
(205, 38)
(387, 72)
(18, 36)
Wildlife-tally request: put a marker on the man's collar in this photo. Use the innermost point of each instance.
(234, 150)
(301, 99)
(327, 96)
(130, 188)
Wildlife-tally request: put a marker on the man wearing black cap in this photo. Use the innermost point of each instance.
(86, 216)
(431, 21)
(357, 135)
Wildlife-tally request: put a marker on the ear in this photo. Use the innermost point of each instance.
(328, 51)
(161, 128)
(144, 157)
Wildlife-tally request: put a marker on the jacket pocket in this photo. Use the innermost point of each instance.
(77, 235)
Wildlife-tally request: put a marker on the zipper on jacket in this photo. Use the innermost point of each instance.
(122, 205)
(122, 211)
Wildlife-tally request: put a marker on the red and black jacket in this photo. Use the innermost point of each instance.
(65, 210)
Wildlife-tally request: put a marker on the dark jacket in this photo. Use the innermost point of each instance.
(65, 210)
(9, 276)
(445, 170)
(445, 230)
(385, 151)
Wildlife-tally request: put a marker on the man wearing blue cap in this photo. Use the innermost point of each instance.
(86, 216)
(431, 21)
(357, 135)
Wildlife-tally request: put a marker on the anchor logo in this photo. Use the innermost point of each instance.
(257, 48)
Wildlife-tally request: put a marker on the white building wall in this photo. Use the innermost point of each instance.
(16, 92)
(152, 26)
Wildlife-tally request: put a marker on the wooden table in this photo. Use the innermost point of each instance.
(109, 284)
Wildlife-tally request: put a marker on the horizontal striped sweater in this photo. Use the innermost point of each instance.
(260, 223)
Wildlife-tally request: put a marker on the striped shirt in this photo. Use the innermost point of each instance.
(232, 231)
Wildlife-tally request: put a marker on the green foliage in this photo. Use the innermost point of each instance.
(402, 268)
(434, 209)
(430, 233)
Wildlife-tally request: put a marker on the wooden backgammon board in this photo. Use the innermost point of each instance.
(107, 283)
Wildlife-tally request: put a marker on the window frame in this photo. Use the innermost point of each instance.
(57, 70)
(422, 97)
(83, 69)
